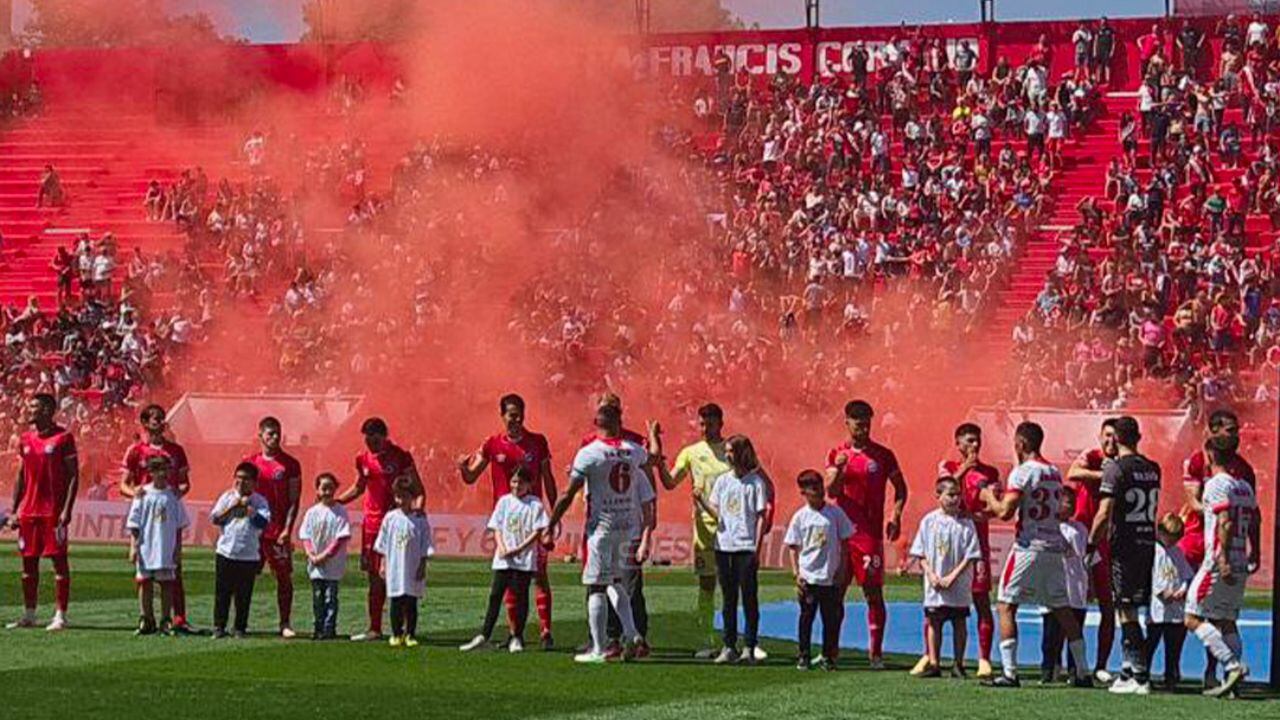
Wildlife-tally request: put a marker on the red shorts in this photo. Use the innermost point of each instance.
(278, 557)
(1100, 576)
(370, 561)
(41, 537)
(864, 562)
(1192, 547)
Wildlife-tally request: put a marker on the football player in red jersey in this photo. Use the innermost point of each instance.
(1195, 472)
(376, 471)
(280, 482)
(516, 447)
(154, 444)
(974, 476)
(857, 471)
(43, 498)
(1085, 475)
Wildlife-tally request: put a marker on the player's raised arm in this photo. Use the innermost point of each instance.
(470, 467)
(355, 490)
(835, 475)
(1192, 489)
(1079, 471)
(1004, 507)
(1111, 478)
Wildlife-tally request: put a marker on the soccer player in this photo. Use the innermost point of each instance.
(518, 447)
(1217, 591)
(154, 444)
(1085, 475)
(43, 498)
(156, 520)
(701, 463)
(1129, 496)
(974, 476)
(280, 482)
(1035, 570)
(377, 468)
(1195, 471)
(857, 471)
(619, 492)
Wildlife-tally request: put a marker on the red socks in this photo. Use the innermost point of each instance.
(284, 597)
(509, 600)
(377, 599)
(30, 582)
(986, 632)
(876, 616)
(179, 599)
(61, 582)
(543, 601)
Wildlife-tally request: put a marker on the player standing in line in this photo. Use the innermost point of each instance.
(155, 444)
(503, 453)
(619, 492)
(1195, 471)
(974, 476)
(857, 471)
(1217, 591)
(377, 469)
(1035, 571)
(1085, 475)
(43, 498)
(1129, 497)
(280, 482)
(701, 463)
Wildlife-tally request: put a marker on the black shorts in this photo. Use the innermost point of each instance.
(945, 613)
(1131, 574)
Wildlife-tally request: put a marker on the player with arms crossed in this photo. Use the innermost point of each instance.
(1195, 473)
(619, 493)
(377, 469)
(155, 444)
(857, 471)
(280, 482)
(701, 463)
(1217, 591)
(43, 498)
(1129, 496)
(1035, 571)
(1085, 475)
(519, 447)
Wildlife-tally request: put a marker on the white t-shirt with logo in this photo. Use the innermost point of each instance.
(159, 517)
(738, 501)
(615, 484)
(240, 535)
(1169, 573)
(322, 526)
(946, 542)
(403, 541)
(514, 519)
(819, 535)
(1077, 537)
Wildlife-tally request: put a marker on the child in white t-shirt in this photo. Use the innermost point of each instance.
(404, 542)
(241, 514)
(946, 544)
(325, 533)
(517, 523)
(156, 520)
(815, 537)
(1171, 576)
(1075, 566)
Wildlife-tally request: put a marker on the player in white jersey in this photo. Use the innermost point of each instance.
(1035, 571)
(1217, 591)
(614, 472)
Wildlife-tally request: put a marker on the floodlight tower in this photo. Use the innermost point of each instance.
(644, 17)
(812, 14)
(987, 10)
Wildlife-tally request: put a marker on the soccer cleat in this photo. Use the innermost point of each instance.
(932, 671)
(1082, 681)
(748, 657)
(410, 641)
(166, 627)
(182, 627)
(1123, 686)
(145, 627)
(984, 669)
(613, 651)
(802, 662)
(959, 673)
(1050, 676)
(1233, 678)
(1004, 681)
(921, 665)
(1141, 688)
(219, 634)
(548, 644)
(876, 663)
(478, 642)
(705, 654)
(726, 656)
(1103, 676)
(28, 620)
(287, 633)
(642, 649)
(760, 654)
(367, 636)
(395, 641)
(827, 664)
(590, 658)
(515, 645)
(58, 624)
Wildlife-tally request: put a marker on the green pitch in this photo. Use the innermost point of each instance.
(99, 670)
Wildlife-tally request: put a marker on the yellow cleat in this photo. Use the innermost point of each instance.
(396, 641)
(410, 641)
(921, 666)
(984, 669)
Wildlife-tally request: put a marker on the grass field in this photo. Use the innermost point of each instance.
(99, 670)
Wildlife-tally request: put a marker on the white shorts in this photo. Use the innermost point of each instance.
(1211, 598)
(162, 575)
(608, 556)
(1034, 577)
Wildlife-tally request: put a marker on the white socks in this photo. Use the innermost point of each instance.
(1009, 657)
(598, 620)
(622, 605)
(1076, 647)
(1216, 644)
